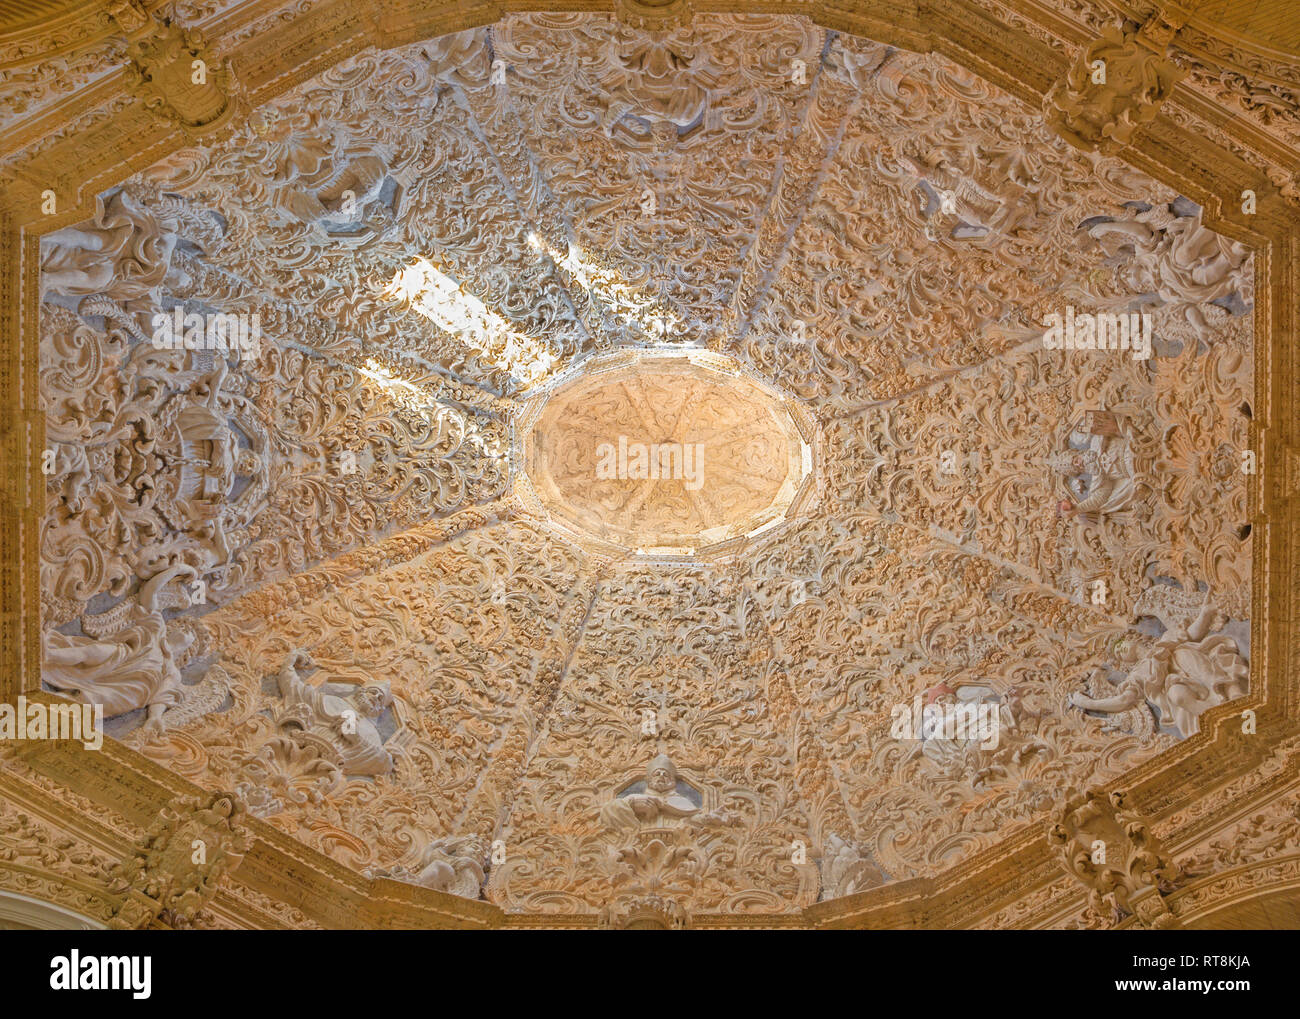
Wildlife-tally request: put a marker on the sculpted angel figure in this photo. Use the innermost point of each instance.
(343, 725)
(123, 251)
(847, 868)
(129, 658)
(661, 805)
(1124, 703)
(1189, 670)
(453, 863)
(1179, 258)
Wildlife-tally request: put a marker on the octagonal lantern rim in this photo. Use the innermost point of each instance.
(533, 402)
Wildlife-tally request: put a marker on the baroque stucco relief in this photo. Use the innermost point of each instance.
(882, 241)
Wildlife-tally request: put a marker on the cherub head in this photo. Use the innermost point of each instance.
(1126, 650)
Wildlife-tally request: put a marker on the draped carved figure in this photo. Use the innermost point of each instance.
(123, 251)
(343, 725)
(1179, 260)
(1194, 668)
(451, 864)
(1189, 669)
(129, 657)
(1097, 471)
(661, 805)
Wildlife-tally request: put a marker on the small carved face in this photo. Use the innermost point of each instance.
(371, 701)
(661, 780)
(1126, 651)
(248, 464)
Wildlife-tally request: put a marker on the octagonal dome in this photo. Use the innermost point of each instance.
(498, 277)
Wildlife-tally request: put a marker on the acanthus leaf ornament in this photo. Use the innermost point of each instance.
(348, 491)
(1112, 851)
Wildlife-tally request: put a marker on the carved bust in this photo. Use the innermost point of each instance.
(661, 805)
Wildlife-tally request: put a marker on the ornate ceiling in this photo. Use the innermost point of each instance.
(642, 413)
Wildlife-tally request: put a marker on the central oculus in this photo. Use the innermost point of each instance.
(665, 453)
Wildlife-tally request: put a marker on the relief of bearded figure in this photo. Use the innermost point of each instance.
(1100, 478)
